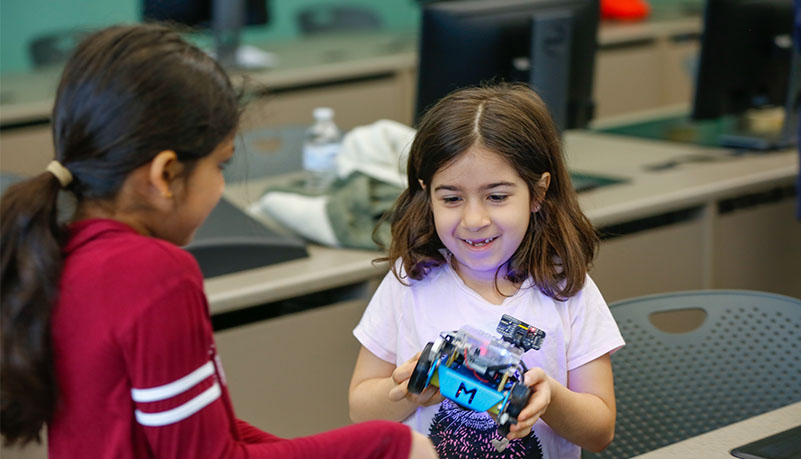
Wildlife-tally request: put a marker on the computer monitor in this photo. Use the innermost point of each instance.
(548, 43)
(224, 17)
(747, 63)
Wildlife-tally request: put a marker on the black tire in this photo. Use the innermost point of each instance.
(417, 381)
(517, 400)
(503, 429)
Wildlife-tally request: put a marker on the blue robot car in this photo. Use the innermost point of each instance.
(478, 371)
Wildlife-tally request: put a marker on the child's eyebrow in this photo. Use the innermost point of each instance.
(498, 184)
(485, 187)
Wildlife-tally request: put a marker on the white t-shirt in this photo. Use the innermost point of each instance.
(401, 319)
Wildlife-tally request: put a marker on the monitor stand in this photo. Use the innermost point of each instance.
(227, 20)
(549, 65)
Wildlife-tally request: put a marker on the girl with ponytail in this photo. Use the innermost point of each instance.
(106, 335)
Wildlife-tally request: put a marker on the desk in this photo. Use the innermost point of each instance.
(696, 257)
(715, 217)
(718, 443)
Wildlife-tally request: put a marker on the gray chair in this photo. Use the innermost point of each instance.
(741, 358)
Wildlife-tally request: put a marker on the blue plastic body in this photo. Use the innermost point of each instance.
(467, 391)
(461, 386)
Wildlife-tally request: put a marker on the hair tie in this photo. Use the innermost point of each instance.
(63, 174)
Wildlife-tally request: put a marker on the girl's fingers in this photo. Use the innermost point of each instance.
(404, 371)
(425, 396)
(524, 422)
(524, 425)
(534, 376)
(400, 375)
(513, 434)
(538, 402)
(399, 392)
(430, 396)
(535, 408)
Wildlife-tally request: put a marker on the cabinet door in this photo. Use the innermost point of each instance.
(627, 78)
(26, 151)
(290, 376)
(355, 104)
(661, 259)
(759, 248)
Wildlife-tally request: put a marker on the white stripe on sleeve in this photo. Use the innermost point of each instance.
(174, 388)
(182, 412)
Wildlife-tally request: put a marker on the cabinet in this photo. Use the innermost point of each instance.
(290, 376)
(750, 241)
(643, 66)
(659, 259)
(757, 243)
(356, 103)
(26, 151)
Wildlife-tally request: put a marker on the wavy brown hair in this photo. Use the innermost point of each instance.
(511, 120)
(126, 94)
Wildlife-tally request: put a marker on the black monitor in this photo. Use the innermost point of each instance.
(746, 64)
(549, 44)
(224, 17)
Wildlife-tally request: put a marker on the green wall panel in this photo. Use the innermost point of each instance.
(21, 20)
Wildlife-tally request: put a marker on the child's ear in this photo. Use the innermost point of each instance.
(422, 185)
(164, 168)
(539, 191)
(544, 182)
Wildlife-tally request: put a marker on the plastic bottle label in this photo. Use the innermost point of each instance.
(320, 158)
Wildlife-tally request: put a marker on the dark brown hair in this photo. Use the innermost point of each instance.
(126, 94)
(512, 121)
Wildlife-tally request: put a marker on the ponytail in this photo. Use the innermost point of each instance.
(30, 249)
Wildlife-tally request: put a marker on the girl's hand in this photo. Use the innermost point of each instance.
(400, 377)
(538, 402)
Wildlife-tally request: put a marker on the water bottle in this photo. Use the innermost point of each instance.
(320, 148)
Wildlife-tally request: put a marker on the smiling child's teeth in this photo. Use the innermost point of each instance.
(479, 243)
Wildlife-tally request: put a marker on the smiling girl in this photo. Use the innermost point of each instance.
(490, 225)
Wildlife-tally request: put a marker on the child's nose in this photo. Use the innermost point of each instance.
(475, 216)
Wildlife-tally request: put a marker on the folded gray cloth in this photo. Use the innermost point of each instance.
(370, 178)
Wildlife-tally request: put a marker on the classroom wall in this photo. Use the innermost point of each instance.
(20, 20)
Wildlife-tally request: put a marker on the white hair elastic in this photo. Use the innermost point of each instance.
(63, 174)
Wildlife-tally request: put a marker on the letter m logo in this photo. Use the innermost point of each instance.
(463, 391)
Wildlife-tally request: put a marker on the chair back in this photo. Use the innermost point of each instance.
(742, 359)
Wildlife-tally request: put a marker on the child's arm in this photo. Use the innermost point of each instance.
(583, 412)
(378, 390)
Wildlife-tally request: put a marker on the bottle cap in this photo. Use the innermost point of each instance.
(323, 113)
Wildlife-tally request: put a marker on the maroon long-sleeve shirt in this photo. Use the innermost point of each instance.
(137, 369)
